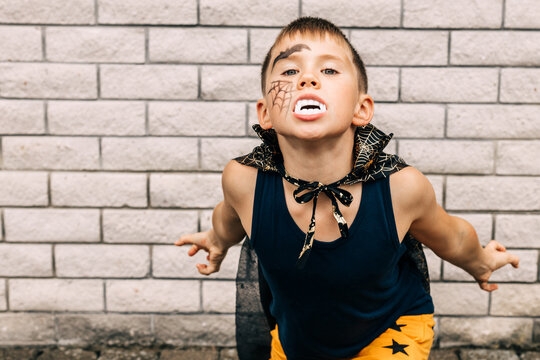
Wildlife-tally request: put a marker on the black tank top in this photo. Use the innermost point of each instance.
(351, 290)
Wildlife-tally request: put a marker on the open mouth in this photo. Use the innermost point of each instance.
(309, 107)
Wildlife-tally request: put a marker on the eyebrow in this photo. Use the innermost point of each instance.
(323, 57)
(285, 54)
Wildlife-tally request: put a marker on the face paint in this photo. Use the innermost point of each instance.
(285, 54)
(281, 94)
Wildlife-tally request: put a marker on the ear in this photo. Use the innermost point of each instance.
(263, 114)
(363, 112)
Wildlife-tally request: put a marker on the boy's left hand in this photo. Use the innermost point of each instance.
(495, 257)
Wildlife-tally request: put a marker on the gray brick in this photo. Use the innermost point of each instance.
(440, 156)
(385, 13)
(142, 12)
(104, 329)
(100, 189)
(536, 331)
(522, 14)
(199, 330)
(102, 261)
(383, 83)
(153, 295)
(516, 300)
(456, 14)
(484, 193)
(196, 118)
(410, 120)
(139, 354)
(437, 183)
(401, 47)
(185, 190)
(149, 81)
(228, 354)
(11, 38)
(518, 157)
(95, 44)
(518, 230)
(51, 11)
(52, 353)
(482, 223)
(495, 48)
(530, 355)
(449, 84)
(147, 226)
(260, 41)
(184, 45)
(219, 296)
(38, 80)
(22, 117)
(54, 225)
(25, 260)
(96, 117)
(484, 354)
(27, 329)
(241, 82)
(493, 121)
(3, 303)
(440, 354)
(190, 353)
(23, 188)
(216, 153)
(56, 295)
(485, 331)
(173, 262)
(247, 13)
(434, 264)
(471, 300)
(520, 85)
(205, 219)
(51, 152)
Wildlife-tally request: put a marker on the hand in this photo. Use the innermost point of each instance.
(495, 256)
(204, 240)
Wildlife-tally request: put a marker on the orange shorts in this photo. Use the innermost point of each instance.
(410, 337)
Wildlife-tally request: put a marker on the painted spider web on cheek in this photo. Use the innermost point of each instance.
(282, 94)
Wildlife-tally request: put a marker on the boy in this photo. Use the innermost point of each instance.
(342, 291)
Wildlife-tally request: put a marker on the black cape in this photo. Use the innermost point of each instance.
(253, 296)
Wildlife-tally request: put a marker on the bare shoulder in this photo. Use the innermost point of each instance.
(238, 182)
(411, 190)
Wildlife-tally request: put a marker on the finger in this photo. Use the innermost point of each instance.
(193, 250)
(206, 269)
(499, 247)
(514, 260)
(484, 285)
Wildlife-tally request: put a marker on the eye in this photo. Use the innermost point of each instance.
(288, 72)
(329, 71)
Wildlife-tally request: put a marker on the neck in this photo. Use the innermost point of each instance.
(325, 161)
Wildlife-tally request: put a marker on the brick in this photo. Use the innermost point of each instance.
(159, 12)
(410, 120)
(471, 300)
(50, 12)
(144, 153)
(3, 304)
(219, 296)
(111, 261)
(439, 354)
(518, 157)
(153, 295)
(530, 355)
(485, 331)
(57, 225)
(230, 82)
(383, 83)
(437, 183)
(11, 38)
(520, 85)
(23, 188)
(456, 14)
(489, 192)
(198, 330)
(56, 295)
(440, 156)
(518, 230)
(139, 354)
(449, 84)
(221, 45)
(96, 117)
(384, 13)
(434, 264)
(482, 223)
(38, 80)
(205, 219)
(51, 152)
(25, 260)
(493, 121)
(522, 14)
(197, 118)
(67, 353)
(95, 44)
(174, 262)
(185, 190)
(104, 330)
(228, 354)
(536, 331)
(495, 48)
(516, 300)
(260, 41)
(147, 226)
(22, 117)
(247, 13)
(191, 354)
(101, 189)
(401, 47)
(216, 153)
(484, 354)
(149, 81)
(27, 329)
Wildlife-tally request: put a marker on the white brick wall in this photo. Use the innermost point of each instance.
(117, 117)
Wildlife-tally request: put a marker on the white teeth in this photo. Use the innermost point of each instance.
(304, 102)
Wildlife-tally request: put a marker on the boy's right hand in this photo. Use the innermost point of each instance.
(207, 241)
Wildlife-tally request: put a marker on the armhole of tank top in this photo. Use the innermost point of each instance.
(389, 209)
(255, 211)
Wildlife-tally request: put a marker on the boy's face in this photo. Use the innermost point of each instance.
(312, 89)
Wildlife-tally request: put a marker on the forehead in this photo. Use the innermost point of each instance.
(317, 43)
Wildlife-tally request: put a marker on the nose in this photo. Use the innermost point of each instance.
(307, 79)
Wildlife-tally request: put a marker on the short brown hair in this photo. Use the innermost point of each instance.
(315, 25)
